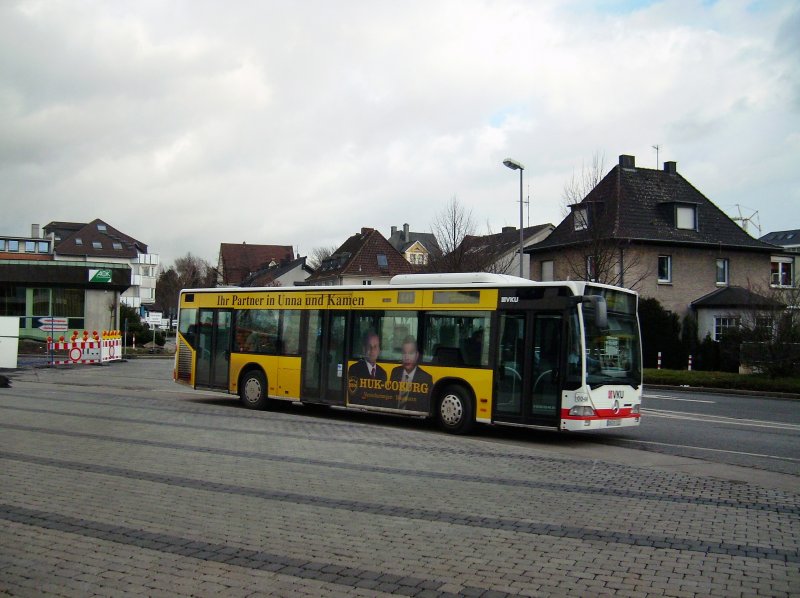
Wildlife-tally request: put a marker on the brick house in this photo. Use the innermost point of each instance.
(365, 258)
(652, 231)
(237, 261)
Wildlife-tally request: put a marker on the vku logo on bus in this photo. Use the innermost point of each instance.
(616, 394)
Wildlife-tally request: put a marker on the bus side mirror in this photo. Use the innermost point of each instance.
(600, 308)
(601, 313)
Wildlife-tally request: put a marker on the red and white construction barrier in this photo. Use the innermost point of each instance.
(100, 349)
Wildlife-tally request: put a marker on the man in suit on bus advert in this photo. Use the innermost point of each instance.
(365, 378)
(411, 384)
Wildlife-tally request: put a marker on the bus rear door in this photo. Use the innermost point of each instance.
(324, 362)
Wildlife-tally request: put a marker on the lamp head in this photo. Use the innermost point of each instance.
(513, 164)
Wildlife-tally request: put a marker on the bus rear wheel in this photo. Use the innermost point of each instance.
(455, 410)
(253, 390)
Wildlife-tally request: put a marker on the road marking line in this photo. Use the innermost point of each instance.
(713, 450)
(720, 419)
(666, 398)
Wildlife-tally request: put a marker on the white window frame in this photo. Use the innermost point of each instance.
(722, 323)
(668, 279)
(784, 264)
(725, 270)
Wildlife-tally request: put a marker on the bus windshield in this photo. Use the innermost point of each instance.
(613, 353)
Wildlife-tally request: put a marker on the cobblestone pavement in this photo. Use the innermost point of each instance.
(115, 481)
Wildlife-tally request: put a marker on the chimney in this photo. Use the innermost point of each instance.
(35, 231)
(365, 230)
(671, 167)
(627, 161)
(394, 231)
(509, 229)
(406, 236)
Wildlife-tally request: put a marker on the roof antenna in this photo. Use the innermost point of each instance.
(656, 147)
(528, 203)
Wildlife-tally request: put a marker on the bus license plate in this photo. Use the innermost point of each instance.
(610, 423)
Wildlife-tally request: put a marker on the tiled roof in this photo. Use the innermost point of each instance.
(508, 239)
(399, 241)
(639, 204)
(736, 297)
(238, 260)
(360, 256)
(266, 276)
(96, 239)
(783, 238)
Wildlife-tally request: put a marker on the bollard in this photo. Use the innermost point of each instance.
(659, 360)
(690, 363)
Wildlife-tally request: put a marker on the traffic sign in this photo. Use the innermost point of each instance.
(53, 324)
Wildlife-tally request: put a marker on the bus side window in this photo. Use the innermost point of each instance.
(290, 332)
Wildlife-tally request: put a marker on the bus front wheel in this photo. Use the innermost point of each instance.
(253, 390)
(455, 410)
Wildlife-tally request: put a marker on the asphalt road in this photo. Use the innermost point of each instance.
(751, 431)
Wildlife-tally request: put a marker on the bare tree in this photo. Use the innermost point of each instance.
(451, 227)
(187, 272)
(319, 255)
(770, 331)
(464, 251)
(598, 254)
(582, 183)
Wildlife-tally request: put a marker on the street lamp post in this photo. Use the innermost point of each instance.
(514, 165)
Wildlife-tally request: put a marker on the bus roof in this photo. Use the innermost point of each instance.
(448, 279)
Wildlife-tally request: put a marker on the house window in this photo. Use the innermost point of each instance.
(13, 245)
(78, 241)
(97, 244)
(722, 271)
(581, 218)
(116, 245)
(383, 263)
(101, 227)
(2, 244)
(366, 282)
(665, 268)
(781, 272)
(723, 324)
(590, 268)
(547, 271)
(686, 217)
(30, 246)
(44, 247)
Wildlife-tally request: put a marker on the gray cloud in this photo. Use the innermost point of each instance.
(191, 124)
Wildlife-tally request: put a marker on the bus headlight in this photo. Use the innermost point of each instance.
(582, 411)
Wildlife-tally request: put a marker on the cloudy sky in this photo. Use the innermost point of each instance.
(186, 124)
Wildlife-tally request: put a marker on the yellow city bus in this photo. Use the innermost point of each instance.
(460, 348)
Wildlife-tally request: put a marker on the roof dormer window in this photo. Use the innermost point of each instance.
(97, 245)
(581, 218)
(686, 217)
(78, 241)
(101, 227)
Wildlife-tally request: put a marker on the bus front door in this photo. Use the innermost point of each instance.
(527, 379)
(324, 357)
(213, 348)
